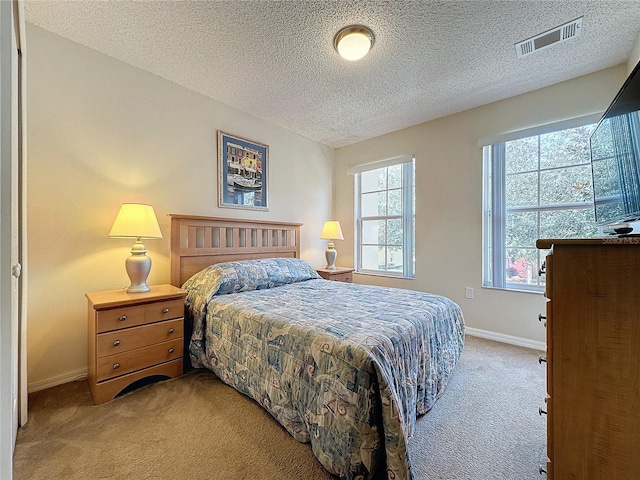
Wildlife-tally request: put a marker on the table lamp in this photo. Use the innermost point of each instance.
(331, 231)
(136, 220)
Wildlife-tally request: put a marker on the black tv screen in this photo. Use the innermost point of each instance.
(615, 157)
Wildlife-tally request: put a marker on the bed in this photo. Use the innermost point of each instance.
(344, 367)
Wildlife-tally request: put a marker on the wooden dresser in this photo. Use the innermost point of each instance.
(133, 336)
(593, 358)
(338, 274)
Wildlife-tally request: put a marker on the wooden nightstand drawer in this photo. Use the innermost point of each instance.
(338, 274)
(342, 277)
(164, 310)
(120, 341)
(132, 336)
(126, 362)
(125, 317)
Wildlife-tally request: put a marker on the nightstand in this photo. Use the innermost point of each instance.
(338, 274)
(133, 336)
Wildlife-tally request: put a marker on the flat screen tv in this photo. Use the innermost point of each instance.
(615, 157)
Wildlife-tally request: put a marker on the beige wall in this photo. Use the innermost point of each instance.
(102, 133)
(449, 196)
(634, 58)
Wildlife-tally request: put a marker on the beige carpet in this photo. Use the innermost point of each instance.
(486, 426)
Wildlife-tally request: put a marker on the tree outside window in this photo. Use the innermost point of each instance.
(535, 187)
(385, 204)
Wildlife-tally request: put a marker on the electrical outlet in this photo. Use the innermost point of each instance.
(468, 292)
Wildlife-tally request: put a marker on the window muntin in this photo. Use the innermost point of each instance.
(385, 220)
(534, 187)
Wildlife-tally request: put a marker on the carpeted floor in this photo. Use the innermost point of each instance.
(485, 426)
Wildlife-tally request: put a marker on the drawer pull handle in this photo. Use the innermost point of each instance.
(116, 366)
(542, 358)
(171, 330)
(541, 411)
(166, 310)
(171, 350)
(542, 269)
(542, 470)
(116, 343)
(123, 318)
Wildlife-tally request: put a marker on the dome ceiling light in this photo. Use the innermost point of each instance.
(353, 42)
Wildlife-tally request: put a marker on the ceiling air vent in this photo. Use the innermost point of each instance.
(548, 38)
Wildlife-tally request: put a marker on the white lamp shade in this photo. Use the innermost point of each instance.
(136, 220)
(331, 231)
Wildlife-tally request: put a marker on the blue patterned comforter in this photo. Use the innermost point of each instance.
(345, 367)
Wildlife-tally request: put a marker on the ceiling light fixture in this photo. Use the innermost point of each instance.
(353, 42)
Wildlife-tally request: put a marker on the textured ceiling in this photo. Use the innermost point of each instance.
(275, 59)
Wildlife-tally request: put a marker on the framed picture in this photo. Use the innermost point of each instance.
(242, 173)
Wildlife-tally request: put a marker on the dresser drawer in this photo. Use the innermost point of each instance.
(131, 316)
(122, 363)
(550, 437)
(548, 289)
(120, 341)
(549, 354)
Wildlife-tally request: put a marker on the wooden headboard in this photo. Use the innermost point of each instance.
(197, 242)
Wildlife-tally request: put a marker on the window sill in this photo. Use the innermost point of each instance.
(382, 274)
(519, 290)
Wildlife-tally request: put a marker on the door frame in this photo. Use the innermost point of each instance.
(11, 176)
(20, 36)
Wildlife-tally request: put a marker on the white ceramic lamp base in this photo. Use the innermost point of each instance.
(331, 254)
(138, 266)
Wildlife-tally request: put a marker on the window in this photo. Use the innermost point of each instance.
(385, 217)
(535, 186)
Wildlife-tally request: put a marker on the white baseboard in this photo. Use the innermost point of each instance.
(66, 377)
(501, 337)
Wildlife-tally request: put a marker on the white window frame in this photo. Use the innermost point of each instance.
(407, 216)
(494, 207)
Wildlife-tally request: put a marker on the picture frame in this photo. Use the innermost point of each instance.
(243, 178)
